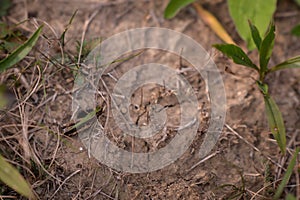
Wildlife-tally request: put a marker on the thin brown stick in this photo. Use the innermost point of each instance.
(85, 28)
(71, 175)
(252, 146)
(263, 188)
(24, 140)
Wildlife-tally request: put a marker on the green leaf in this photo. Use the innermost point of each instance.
(290, 197)
(298, 2)
(3, 99)
(264, 88)
(287, 175)
(174, 6)
(11, 177)
(20, 52)
(288, 64)
(4, 30)
(255, 35)
(88, 46)
(266, 48)
(86, 118)
(62, 37)
(296, 30)
(4, 6)
(236, 54)
(259, 12)
(276, 123)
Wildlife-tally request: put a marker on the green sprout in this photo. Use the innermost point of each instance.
(264, 47)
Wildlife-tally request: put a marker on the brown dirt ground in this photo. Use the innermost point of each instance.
(33, 135)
